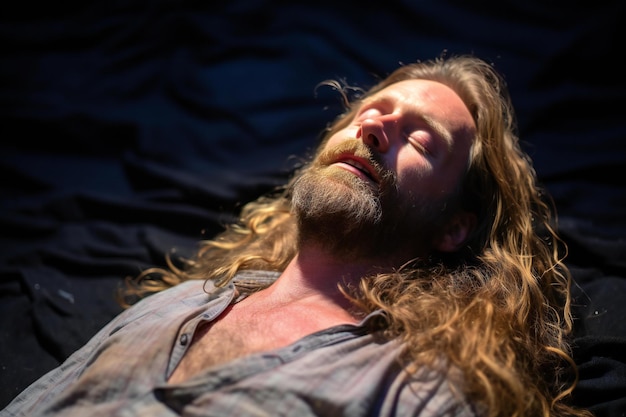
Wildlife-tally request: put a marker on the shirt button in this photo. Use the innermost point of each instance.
(184, 339)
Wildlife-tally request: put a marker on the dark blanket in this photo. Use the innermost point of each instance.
(130, 129)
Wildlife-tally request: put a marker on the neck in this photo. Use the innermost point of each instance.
(315, 276)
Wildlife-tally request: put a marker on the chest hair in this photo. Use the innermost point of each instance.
(236, 335)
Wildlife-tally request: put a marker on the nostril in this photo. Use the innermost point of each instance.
(373, 139)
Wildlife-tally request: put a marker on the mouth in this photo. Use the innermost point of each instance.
(358, 166)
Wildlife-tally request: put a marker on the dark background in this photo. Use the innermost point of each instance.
(130, 128)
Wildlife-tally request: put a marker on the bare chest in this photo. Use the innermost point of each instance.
(236, 335)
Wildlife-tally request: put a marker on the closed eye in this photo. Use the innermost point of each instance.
(418, 143)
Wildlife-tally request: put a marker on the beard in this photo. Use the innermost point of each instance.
(354, 219)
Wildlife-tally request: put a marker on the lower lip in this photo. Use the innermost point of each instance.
(355, 171)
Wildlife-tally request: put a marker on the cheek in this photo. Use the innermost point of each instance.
(435, 178)
(415, 175)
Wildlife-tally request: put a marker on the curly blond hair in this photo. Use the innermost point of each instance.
(499, 310)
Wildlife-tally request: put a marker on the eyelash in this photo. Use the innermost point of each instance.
(417, 145)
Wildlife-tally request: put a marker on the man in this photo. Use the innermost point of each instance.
(410, 269)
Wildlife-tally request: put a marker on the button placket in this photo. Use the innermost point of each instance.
(186, 332)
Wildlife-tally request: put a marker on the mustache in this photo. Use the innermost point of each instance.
(360, 150)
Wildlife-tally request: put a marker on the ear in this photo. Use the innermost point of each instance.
(455, 232)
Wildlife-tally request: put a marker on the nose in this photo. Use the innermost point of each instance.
(375, 133)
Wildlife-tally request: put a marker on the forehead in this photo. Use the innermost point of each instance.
(429, 98)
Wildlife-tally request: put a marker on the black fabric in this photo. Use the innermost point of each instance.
(132, 128)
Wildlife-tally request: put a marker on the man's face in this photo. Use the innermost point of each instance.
(379, 186)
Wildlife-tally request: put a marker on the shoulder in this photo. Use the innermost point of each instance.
(183, 296)
(433, 393)
(198, 292)
(181, 291)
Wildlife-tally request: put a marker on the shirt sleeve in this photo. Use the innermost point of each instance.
(51, 384)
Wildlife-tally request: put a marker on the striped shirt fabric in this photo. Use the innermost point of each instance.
(340, 371)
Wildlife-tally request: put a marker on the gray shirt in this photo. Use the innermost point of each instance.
(340, 371)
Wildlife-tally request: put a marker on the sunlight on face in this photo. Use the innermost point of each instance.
(380, 185)
(422, 131)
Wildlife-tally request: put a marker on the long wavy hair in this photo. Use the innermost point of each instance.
(499, 311)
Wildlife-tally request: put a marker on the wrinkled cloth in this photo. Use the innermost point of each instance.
(345, 370)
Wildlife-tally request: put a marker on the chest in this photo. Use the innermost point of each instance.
(238, 333)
